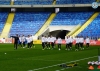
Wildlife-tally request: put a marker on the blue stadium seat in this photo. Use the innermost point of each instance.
(5, 2)
(71, 18)
(3, 17)
(74, 1)
(93, 30)
(28, 23)
(33, 2)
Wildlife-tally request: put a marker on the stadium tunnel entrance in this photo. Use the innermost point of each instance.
(59, 33)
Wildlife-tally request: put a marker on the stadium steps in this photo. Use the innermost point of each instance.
(97, 1)
(12, 2)
(86, 24)
(8, 25)
(54, 2)
(74, 30)
(46, 24)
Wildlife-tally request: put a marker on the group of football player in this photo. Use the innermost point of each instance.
(48, 41)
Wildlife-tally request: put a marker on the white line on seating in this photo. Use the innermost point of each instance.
(62, 63)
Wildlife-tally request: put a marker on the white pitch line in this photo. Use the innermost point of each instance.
(81, 59)
(63, 63)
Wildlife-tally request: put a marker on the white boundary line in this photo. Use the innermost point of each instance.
(61, 63)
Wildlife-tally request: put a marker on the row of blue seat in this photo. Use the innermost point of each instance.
(32, 2)
(28, 23)
(93, 30)
(75, 1)
(5, 2)
(71, 18)
(3, 17)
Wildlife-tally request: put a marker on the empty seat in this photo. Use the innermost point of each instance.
(28, 23)
(75, 1)
(71, 18)
(5, 2)
(93, 30)
(3, 17)
(33, 2)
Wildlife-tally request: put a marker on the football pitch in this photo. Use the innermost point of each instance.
(36, 59)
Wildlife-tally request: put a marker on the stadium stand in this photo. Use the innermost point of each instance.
(28, 23)
(5, 2)
(71, 18)
(3, 17)
(74, 1)
(93, 30)
(33, 2)
(94, 15)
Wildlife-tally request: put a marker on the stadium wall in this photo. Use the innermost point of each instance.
(55, 30)
(69, 28)
(10, 40)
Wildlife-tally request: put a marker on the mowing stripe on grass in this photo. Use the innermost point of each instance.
(62, 63)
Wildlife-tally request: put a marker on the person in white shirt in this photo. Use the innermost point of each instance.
(67, 43)
(87, 42)
(59, 41)
(52, 41)
(20, 41)
(31, 39)
(31, 44)
(77, 43)
(71, 42)
(46, 42)
(43, 42)
(49, 42)
(81, 43)
(28, 41)
(23, 41)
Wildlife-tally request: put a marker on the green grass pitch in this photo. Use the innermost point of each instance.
(36, 59)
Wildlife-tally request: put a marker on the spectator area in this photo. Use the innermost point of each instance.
(28, 23)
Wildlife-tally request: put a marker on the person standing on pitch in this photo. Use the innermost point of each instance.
(67, 43)
(49, 42)
(87, 42)
(31, 44)
(81, 43)
(28, 42)
(52, 41)
(43, 42)
(69, 39)
(71, 42)
(77, 44)
(46, 42)
(59, 41)
(16, 38)
(23, 41)
(20, 41)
